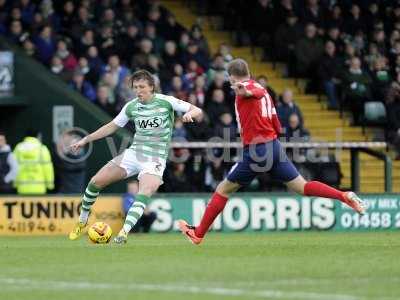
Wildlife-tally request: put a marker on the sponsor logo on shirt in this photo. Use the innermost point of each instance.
(145, 123)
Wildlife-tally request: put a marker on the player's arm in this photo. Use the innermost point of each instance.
(249, 91)
(190, 111)
(119, 121)
(100, 133)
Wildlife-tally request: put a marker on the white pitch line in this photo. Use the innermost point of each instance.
(171, 288)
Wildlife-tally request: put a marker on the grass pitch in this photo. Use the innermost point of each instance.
(317, 266)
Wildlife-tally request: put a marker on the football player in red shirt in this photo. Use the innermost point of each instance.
(259, 129)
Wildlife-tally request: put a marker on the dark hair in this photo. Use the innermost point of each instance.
(32, 132)
(2, 132)
(145, 75)
(238, 67)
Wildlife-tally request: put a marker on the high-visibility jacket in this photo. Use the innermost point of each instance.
(36, 172)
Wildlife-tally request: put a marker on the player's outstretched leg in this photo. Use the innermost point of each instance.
(89, 198)
(319, 189)
(106, 175)
(134, 214)
(148, 185)
(213, 209)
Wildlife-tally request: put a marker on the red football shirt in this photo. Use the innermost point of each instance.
(256, 116)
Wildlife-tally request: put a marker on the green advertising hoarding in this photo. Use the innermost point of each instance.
(280, 212)
(56, 215)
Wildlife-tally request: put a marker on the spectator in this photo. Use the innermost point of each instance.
(286, 107)
(349, 54)
(45, 44)
(150, 33)
(194, 53)
(109, 81)
(16, 31)
(335, 18)
(117, 72)
(125, 93)
(177, 88)
(68, 59)
(82, 86)
(217, 66)
(334, 37)
(148, 217)
(179, 134)
(263, 80)
(313, 13)
(8, 166)
(296, 133)
(27, 11)
(103, 100)
(128, 42)
(308, 51)
(177, 180)
(86, 41)
(67, 16)
(220, 82)
(372, 56)
(106, 42)
(356, 85)
(82, 23)
(36, 174)
(199, 39)
(216, 106)
(199, 131)
(57, 67)
(380, 79)
(354, 22)
(286, 37)
(171, 29)
(94, 60)
(261, 22)
(199, 90)
(393, 114)
(70, 167)
(226, 128)
(170, 55)
(329, 73)
(139, 60)
(29, 48)
(225, 51)
(84, 68)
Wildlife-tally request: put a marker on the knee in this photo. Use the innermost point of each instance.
(148, 189)
(97, 181)
(225, 189)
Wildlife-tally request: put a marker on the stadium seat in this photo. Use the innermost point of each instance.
(374, 111)
(374, 114)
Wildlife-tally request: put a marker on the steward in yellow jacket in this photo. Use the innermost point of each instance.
(36, 173)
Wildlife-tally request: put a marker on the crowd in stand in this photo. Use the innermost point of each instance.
(95, 45)
(349, 49)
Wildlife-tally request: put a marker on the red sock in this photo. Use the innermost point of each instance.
(319, 189)
(214, 207)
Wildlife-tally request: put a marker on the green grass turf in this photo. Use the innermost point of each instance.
(320, 266)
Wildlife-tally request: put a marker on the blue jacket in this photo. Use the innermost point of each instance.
(127, 201)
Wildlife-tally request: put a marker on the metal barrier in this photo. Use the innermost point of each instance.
(354, 147)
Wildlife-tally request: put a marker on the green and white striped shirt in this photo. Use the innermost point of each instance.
(154, 122)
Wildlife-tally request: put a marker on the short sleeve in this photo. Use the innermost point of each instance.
(178, 105)
(121, 119)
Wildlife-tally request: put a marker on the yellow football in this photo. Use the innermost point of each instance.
(100, 233)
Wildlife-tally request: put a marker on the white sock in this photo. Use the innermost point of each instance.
(134, 214)
(84, 215)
